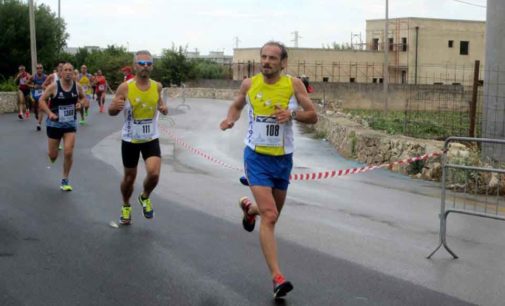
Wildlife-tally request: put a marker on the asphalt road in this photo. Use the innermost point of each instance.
(357, 240)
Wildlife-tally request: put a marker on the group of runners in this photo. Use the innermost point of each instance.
(274, 101)
(31, 87)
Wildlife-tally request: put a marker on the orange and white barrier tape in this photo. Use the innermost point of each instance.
(302, 176)
(199, 152)
(333, 173)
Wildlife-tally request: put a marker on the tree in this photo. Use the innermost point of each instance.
(81, 57)
(172, 68)
(15, 37)
(110, 61)
(337, 46)
(206, 69)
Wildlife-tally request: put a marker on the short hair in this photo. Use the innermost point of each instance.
(284, 51)
(64, 63)
(145, 52)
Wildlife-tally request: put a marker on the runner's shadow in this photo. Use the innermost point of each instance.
(277, 302)
(174, 111)
(183, 107)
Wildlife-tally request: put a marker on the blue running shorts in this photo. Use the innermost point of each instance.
(266, 170)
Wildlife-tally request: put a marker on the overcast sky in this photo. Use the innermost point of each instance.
(213, 25)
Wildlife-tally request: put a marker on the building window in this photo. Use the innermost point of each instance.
(450, 43)
(404, 44)
(374, 80)
(391, 41)
(352, 80)
(375, 44)
(404, 77)
(463, 47)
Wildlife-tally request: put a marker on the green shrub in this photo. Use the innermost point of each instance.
(8, 85)
(419, 124)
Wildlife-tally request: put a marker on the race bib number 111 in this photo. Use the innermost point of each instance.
(143, 129)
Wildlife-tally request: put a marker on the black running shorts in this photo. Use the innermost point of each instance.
(131, 151)
(57, 133)
(26, 92)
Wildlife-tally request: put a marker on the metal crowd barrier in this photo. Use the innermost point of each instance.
(473, 191)
(181, 94)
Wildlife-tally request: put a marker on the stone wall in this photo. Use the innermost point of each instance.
(8, 102)
(400, 97)
(355, 141)
(202, 93)
(371, 95)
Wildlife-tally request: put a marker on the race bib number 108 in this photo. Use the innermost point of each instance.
(267, 132)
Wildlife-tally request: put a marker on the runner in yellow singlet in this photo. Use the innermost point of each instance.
(85, 79)
(140, 100)
(273, 101)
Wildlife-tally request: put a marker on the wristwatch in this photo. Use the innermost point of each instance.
(293, 114)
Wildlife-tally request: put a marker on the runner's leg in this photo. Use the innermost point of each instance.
(127, 183)
(269, 214)
(21, 104)
(68, 151)
(153, 166)
(52, 148)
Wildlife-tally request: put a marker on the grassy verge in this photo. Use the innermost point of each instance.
(418, 124)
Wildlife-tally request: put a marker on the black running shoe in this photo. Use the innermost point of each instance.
(243, 180)
(281, 286)
(248, 221)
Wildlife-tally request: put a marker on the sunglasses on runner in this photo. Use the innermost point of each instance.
(145, 63)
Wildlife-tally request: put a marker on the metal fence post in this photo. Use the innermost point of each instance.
(473, 103)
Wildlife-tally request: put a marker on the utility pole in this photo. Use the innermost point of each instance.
(33, 39)
(236, 41)
(358, 36)
(59, 9)
(297, 38)
(494, 74)
(386, 58)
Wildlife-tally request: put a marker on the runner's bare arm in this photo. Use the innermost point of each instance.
(48, 81)
(237, 106)
(49, 92)
(308, 114)
(30, 82)
(119, 99)
(82, 101)
(162, 106)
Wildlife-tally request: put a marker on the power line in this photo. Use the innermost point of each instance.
(470, 3)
